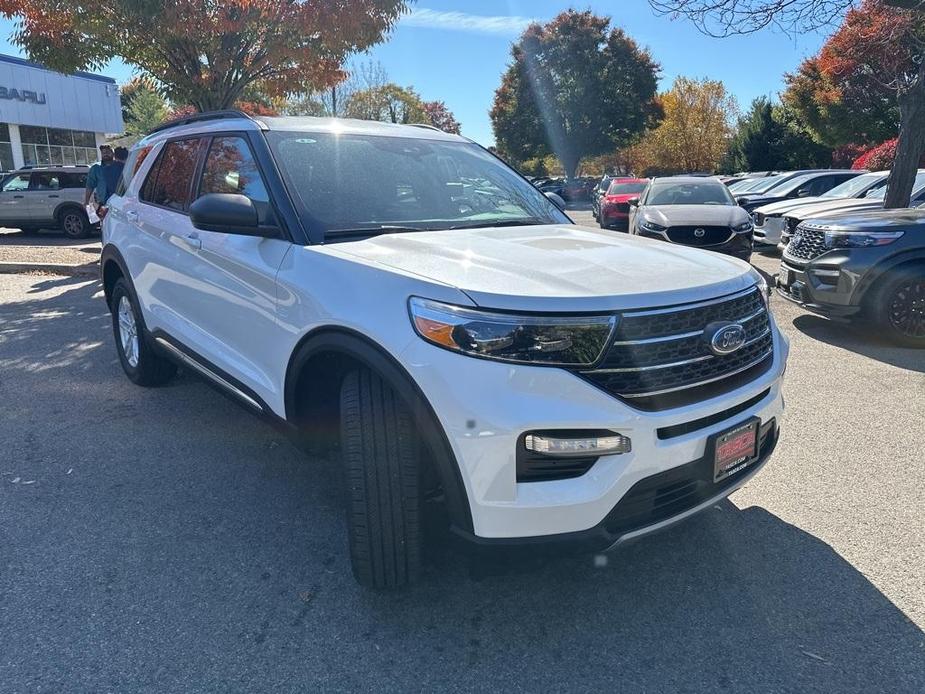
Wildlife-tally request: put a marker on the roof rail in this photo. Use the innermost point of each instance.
(428, 126)
(199, 117)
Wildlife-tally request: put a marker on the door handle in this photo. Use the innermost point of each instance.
(18, 197)
(131, 216)
(193, 241)
(54, 196)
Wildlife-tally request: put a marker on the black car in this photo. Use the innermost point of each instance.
(600, 190)
(807, 185)
(867, 266)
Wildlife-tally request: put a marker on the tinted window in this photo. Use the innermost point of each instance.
(73, 180)
(19, 182)
(176, 166)
(44, 180)
(135, 159)
(230, 168)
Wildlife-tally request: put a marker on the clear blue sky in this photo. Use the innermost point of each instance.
(456, 51)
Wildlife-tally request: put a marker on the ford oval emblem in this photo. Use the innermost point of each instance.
(700, 233)
(727, 339)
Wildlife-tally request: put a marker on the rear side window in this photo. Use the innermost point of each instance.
(135, 159)
(172, 175)
(73, 180)
(45, 180)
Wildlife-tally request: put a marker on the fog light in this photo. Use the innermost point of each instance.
(603, 443)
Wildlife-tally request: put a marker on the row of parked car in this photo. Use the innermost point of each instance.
(843, 256)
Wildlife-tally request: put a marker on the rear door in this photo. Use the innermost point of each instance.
(43, 196)
(232, 302)
(163, 244)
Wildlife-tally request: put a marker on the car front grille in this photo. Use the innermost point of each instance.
(623, 207)
(699, 236)
(660, 358)
(806, 243)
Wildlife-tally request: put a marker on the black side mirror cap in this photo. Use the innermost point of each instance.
(229, 213)
(633, 202)
(556, 200)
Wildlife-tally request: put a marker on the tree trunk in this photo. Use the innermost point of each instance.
(909, 148)
(570, 164)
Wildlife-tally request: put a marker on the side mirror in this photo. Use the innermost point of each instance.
(229, 213)
(633, 202)
(741, 201)
(556, 200)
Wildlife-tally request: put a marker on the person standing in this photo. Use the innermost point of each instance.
(96, 180)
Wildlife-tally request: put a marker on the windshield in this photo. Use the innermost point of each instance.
(854, 186)
(626, 188)
(746, 184)
(880, 192)
(349, 184)
(706, 193)
(767, 184)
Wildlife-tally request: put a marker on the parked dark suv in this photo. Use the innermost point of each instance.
(868, 266)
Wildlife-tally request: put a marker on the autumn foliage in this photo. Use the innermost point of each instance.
(206, 53)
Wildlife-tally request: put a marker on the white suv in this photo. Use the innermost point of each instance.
(403, 291)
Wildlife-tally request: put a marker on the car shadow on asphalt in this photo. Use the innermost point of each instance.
(171, 537)
(859, 340)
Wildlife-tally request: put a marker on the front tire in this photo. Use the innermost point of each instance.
(381, 458)
(141, 363)
(900, 307)
(74, 223)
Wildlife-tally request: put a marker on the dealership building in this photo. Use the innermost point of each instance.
(50, 118)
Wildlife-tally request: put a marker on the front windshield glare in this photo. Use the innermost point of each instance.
(349, 183)
(690, 194)
(767, 184)
(852, 186)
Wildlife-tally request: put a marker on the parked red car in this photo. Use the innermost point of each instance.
(615, 207)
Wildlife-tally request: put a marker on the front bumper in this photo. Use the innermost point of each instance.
(769, 233)
(826, 285)
(615, 219)
(485, 407)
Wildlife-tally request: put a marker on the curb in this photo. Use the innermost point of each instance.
(90, 269)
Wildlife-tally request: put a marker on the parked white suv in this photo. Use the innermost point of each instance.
(465, 341)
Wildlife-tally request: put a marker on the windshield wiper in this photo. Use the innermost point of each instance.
(522, 222)
(376, 231)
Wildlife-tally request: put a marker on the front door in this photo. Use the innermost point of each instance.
(13, 201)
(43, 196)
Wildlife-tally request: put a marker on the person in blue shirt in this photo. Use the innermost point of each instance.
(97, 185)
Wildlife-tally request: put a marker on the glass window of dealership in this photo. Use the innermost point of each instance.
(47, 118)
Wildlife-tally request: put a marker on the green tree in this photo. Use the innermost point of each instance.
(147, 110)
(389, 103)
(767, 138)
(202, 52)
(575, 88)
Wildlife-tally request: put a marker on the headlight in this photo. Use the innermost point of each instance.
(552, 340)
(765, 291)
(742, 228)
(652, 226)
(842, 239)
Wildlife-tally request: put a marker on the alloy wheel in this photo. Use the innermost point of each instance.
(907, 308)
(128, 332)
(72, 224)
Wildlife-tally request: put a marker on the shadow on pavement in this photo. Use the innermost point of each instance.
(174, 542)
(856, 339)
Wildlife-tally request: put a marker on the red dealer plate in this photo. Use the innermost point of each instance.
(735, 449)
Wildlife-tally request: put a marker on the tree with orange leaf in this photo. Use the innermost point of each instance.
(202, 52)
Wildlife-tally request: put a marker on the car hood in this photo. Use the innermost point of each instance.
(559, 267)
(778, 208)
(622, 197)
(835, 206)
(708, 215)
(873, 220)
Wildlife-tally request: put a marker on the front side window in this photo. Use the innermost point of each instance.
(174, 175)
(230, 168)
(16, 183)
(352, 183)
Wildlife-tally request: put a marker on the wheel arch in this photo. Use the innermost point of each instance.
(312, 389)
(113, 267)
(882, 271)
(68, 205)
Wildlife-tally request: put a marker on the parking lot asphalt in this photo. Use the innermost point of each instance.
(166, 540)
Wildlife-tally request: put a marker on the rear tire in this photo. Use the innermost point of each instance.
(381, 459)
(141, 363)
(899, 306)
(74, 223)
